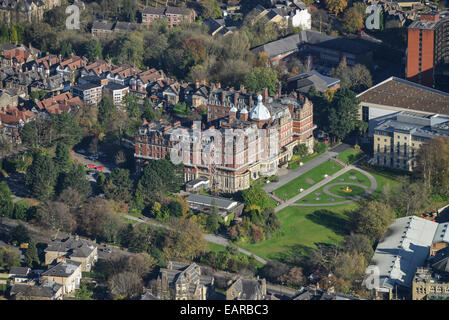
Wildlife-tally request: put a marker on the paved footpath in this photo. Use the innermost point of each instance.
(293, 174)
(292, 201)
(208, 237)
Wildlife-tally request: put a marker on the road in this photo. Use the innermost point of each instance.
(293, 174)
(81, 158)
(217, 239)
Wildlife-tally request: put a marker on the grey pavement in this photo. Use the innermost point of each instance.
(369, 190)
(293, 174)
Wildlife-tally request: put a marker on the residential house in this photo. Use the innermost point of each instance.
(48, 290)
(16, 55)
(121, 75)
(8, 97)
(227, 209)
(247, 289)
(12, 120)
(67, 67)
(125, 27)
(25, 12)
(58, 104)
(75, 249)
(66, 273)
(181, 281)
(19, 274)
(174, 15)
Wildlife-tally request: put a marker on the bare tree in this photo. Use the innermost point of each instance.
(125, 285)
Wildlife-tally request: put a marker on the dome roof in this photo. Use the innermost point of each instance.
(260, 112)
(244, 110)
(233, 109)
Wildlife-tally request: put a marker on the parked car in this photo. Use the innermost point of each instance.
(107, 250)
(92, 157)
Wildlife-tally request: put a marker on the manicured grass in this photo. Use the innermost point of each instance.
(350, 155)
(303, 228)
(339, 191)
(291, 189)
(293, 164)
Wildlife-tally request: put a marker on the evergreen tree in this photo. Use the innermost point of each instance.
(6, 201)
(212, 219)
(62, 157)
(41, 177)
(31, 255)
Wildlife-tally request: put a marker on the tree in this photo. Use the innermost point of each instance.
(71, 198)
(93, 50)
(260, 78)
(353, 20)
(147, 110)
(185, 240)
(372, 219)
(9, 258)
(119, 185)
(75, 178)
(294, 277)
(131, 49)
(41, 177)
(83, 293)
(66, 49)
(356, 78)
(62, 157)
(360, 244)
(336, 6)
(20, 234)
(105, 112)
(6, 201)
(132, 106)
(255, 197)
(210, 9)
(31, 256)
(212, 225)
(349, 267)
(344, 113)
(301, 150)
(125, 285)
(56, 216)
(66, 128)
(410, 197)
(432, 165)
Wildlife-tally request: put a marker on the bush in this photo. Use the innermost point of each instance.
(320, 147)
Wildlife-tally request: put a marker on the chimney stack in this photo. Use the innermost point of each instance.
(197, 85)
(265, 94)
(223, 94)
(236, 97)
(218, 85)
(242, 89)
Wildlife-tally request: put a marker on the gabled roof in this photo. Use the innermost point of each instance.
(400, 93)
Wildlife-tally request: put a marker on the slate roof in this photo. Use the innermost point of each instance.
(74, 247)
(19, 271)
(403, 248)
(102, 25)
(248, 289)
(305, 80)
(400, 93)
(45, 290)
(62, 269)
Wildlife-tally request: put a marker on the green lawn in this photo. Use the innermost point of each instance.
(350, 155)
(291, 189)
(294, 163)
(216, 247)
(303, 228)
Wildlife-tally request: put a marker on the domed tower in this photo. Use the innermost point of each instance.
(260, 113)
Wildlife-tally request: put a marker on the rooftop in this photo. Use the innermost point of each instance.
(400, 93)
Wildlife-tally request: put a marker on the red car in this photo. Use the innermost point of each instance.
(100, 168)
(91, 166)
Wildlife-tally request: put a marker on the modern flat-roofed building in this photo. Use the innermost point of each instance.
(90, 93)
(226, 207)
